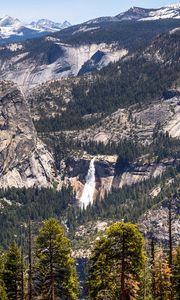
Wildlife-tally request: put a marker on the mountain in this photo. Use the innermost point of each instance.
(142, 14)
(24, 159)
(47, 25)
(9, 21)
(91, 114)
(76, 50)
(13, 30)
(123, 102)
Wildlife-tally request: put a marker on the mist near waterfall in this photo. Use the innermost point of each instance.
(89, 188)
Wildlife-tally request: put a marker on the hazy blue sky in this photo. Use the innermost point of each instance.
(74, 11)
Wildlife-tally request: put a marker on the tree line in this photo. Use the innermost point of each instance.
(122, 265)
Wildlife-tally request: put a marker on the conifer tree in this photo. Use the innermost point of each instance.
(55, 276)
(12, 272)
(117, 263)
(3, 294)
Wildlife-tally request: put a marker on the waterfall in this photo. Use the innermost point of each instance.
(88, 192)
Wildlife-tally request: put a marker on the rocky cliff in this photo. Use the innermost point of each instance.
(24, 160)
(154, 223)
(48, 59)
(108, 175)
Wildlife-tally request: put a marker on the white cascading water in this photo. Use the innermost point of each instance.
(89, 188)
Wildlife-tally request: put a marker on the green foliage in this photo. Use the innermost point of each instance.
(116, 263)
(12, 272)
(3, 294)
(127, 150)
(164, 146)
(40, 204)
(55, 268)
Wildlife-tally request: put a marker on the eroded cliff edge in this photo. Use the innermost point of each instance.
(24, 159)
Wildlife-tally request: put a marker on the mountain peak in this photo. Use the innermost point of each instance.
(13, 29)
(134, 13)
(174, 5)
(143, 14)
(7, 21)
(48, 25)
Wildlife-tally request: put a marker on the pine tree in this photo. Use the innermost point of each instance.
(55, 276)
(101, 279)
(12, 272)
(116, 263)
(3, 294)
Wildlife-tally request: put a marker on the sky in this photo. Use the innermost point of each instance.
(75, 11)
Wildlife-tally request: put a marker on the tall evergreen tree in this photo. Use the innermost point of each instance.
(55, 275)
(3, 294)
(117, 260)
(12, 272)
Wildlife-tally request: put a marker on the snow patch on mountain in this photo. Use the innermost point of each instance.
(142, 14)
(174, 6)
(175, 30)
(11, 28)
(86, 29)
(167, 12)
(14, 47)
(48, 25)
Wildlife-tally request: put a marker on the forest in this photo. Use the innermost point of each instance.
(122, 265)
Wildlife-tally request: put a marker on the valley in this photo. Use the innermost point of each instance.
(90, 134)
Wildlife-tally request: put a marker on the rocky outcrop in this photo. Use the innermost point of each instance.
(134, 122)
(24, 160)
(32, 64)
(77, 169)
(108, 174)
(154, 223)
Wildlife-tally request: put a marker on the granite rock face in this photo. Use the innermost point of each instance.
(108, 175)
(29, 66)
(154, 223)
(24, 160)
